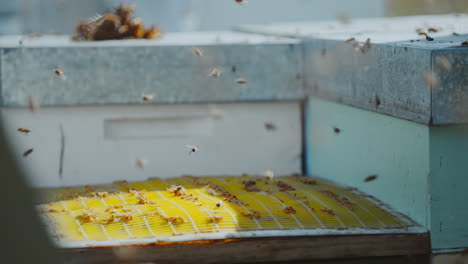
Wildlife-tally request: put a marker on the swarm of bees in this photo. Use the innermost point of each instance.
(116, 25)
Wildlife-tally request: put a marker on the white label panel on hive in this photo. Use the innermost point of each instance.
(101, 144)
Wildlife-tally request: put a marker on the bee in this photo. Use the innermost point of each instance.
(241, 2)
(443, 62)
(464, 43)
(219, 203)
(215, 73)
(351, 41)
(33, 104)
(429, 38)
(431, 79)
(147, 97)
(365, 46)
(328, 211)
(27, 152)
(24, 130)
(215, 218)
(289, 210)
(432, 29)
(241, 81)
(336, 130)
(58, 72)
(269, 175)
(270, 126)
(192, 149)
(421, 32)
(370, 178)
(140, 163)
(197, 51)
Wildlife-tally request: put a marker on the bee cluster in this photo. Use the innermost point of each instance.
(116, 25)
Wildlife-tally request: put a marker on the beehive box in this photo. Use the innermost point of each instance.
(395, 108)
(125, 110)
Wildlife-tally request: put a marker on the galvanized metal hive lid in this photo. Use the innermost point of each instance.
(414, 68)
(175, 69)
(196, 208)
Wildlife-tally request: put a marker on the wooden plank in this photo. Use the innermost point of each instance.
(260, 249)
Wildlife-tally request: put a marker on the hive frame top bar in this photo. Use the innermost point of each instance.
(175, 69)
(402, 74)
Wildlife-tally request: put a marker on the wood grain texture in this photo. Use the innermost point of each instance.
(260, 250)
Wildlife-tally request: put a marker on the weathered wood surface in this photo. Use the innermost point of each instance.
(257, 250)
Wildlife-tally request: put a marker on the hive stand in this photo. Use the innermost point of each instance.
(398, 110)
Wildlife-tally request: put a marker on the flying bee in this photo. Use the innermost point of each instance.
(215, 73)
(241, 2)
(24, 130)
(465, 43)
(219, 203)
(443, 62)
(33, 104)
(197, 51)
(241, 81)
(147, 97)
(269, 175)
(431, 79)
(140, 163)
(370, 178)
(336, 130)
(192, 149)
(58, 72)
(270, 126)
(27, 152)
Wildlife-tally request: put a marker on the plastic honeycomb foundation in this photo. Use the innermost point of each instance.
(193, 208)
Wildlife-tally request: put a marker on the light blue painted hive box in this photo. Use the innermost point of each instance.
(397, 109)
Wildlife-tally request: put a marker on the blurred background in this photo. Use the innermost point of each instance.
(61, 16)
